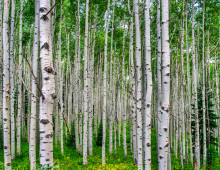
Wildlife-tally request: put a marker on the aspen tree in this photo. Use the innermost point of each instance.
(48, 88)
(12, 78)
(138, 83)
(203, 87)
(61, 81)
(159, 75)
(34, 90)
(6, 117)
(123, 94)
(165, 83)
(148, 93)
(105, 85)
(197, 145)
(85, 100)
(111, 82)
(189, 88)
(1, 64)
(132, 72)
(18, 121)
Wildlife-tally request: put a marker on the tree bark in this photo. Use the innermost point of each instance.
(12, 78)
(138, 83)
(105, 85)
(6, 107)
(148, 93)
(32, 140)
(197, 145)
(165, 102)
(48, 88)
(85, 102)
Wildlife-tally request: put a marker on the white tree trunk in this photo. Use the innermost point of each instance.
(48, 88)
(18, 123)
(189, 91)
(165, 103)
(138, 83)
(6, 107)
(105, 85)
(32, 145)
(204, 87)
(148, 93)
(1, 64)
(85, 102)
(197, 145)
(12, 86)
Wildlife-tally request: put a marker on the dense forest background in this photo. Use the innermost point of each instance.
(129, 84)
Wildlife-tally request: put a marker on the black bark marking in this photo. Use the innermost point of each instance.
(54, 96)
(49, 135)
(46, 46)
(44, 17)
(5, 119)
(5, 147)
(44, 121)
(42, 9)
(46, 78)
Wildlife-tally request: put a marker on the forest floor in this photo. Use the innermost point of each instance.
(72, 160)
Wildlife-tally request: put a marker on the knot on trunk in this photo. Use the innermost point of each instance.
(5, 147)
(50, 69)
(148, 144)
(5, 119)
(44, 17)
(161, 157)
(46, 46)
(46, 78)
(44, 121)
(42, 9)
(49, 135)
(54, 96)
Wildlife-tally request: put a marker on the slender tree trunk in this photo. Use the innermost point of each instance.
(204, 87)
(1, 65)
(105, 86)
(111, 85)
(18, 123)
(34, 90)
(85, 102)
(6, 117)
(48, 88)
(159, 76)
(189, 90)
(138, 87)
(148, 93)
(165, 103)
(12, 86)
(197, 145)
(61, 81)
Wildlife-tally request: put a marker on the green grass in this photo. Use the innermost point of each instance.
(72, 160)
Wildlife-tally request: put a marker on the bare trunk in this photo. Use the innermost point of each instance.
(6, 107)
(48, 87)
(197, 145)
(12, 78)
(165, 103)
(85, 100)
(138, 87)
(105, 86)
(148, 93)
(34, 90)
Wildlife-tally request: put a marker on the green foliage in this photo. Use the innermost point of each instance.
(99, 137)
(211, 124)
